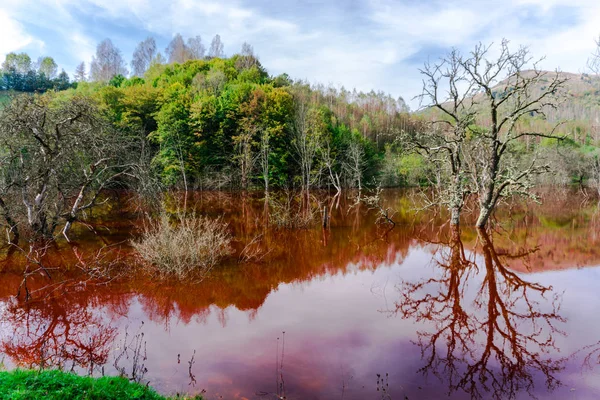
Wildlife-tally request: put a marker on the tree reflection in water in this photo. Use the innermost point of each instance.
(57, 333)
(493, 332)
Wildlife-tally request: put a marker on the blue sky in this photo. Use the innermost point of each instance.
(363, 44)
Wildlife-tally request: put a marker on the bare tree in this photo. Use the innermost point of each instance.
(216, 48)
(594, 158)
(247, 49)
(177, 51)
(526, 92)
(308, 131)
(482, 116)
(331, 164)
(264, 152)
(355, 163)
(107, 63)
(80, 74)
(57, 158)
(594, 60)
(247, 58)
(448, 90)
(196, 48)
(143, 55)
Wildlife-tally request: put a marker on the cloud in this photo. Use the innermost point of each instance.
(368, 44)
(13, 35)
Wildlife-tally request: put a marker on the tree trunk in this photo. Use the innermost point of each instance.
(484, 215)
(455, 216)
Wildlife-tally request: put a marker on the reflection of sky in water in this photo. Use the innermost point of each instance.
(338, 337)
(339, 333)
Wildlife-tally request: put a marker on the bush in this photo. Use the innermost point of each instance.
(291, 214)
(188, 245)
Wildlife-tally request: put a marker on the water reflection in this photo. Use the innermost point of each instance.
(484, 322)
(56, 334)
(493, 340)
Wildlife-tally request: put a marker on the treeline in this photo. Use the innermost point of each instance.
(20, 74)
(225, 123)
(215, 122)
(208, 121)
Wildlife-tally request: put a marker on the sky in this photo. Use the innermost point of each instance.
(364, 44)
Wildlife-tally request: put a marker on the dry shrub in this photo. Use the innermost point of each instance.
(189, 244)
(291, 214)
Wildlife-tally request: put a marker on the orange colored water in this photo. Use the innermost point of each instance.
(352, 312)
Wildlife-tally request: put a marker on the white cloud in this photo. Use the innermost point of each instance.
(378, 49)
(12, 35)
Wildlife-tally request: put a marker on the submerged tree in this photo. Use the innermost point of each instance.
(57, 156)
(483, 115)
(308, 132)
(448, 89)
(527, 92)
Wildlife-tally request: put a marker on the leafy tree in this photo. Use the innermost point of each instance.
(47, 66)
(19, 63)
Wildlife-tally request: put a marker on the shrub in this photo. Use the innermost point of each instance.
(291, 214)
(187, 244)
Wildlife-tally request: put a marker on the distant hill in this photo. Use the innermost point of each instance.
(581, 108)
(583, 98)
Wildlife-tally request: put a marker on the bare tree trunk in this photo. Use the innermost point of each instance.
(455, 216)
(12, 225)
(484, 215)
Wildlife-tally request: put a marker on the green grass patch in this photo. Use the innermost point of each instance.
(55, 385)
(4, 98)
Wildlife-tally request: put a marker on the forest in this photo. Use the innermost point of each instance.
(198, 120)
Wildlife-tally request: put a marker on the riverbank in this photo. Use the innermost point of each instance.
(52, 384)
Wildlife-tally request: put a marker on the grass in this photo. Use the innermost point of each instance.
(55, 385)
(4, 98)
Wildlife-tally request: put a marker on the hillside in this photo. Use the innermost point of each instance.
(579, 110)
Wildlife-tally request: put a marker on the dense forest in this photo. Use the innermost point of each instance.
(213, 122)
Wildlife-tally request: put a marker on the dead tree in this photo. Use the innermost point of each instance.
(447, 94)
(594, 60)
(510, 89)
(57, 157)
